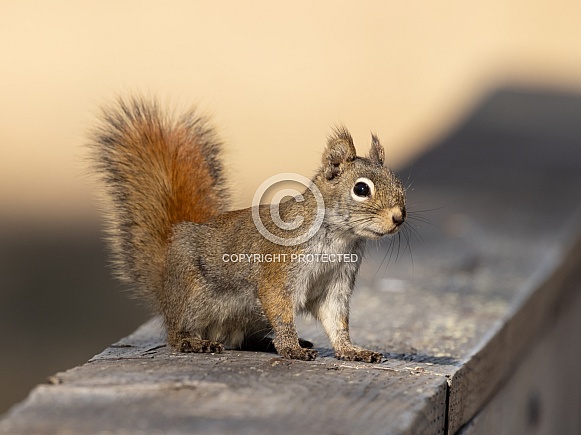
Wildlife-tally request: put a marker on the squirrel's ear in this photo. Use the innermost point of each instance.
(340, 150)
(377, 153)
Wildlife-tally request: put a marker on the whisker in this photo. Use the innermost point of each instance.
(422, 220)
(389, 251)
(409, 183)
(414, 232)
(429, 209)
(398, 246)
(407, 236)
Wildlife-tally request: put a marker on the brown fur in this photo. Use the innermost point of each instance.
(279, 309)
(157, 172)
(169, 232)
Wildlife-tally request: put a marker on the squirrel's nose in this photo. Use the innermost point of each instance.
(398, 216)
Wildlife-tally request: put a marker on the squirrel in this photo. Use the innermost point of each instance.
(210, 272)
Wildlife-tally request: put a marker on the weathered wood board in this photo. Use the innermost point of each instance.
(138, 385)
(543, 395)
(454, 318)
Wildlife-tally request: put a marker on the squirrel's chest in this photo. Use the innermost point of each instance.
(326, 266)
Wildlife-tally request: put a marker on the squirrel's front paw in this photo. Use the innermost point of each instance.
(358, 354)
(298, 353)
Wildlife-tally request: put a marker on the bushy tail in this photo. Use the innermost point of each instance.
(157, 172)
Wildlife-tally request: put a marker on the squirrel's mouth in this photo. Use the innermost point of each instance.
(387, 222)
(375, 233)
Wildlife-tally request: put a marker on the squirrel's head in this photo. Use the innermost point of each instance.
(361, 194)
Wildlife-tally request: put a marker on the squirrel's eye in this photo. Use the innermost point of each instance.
(361, 189)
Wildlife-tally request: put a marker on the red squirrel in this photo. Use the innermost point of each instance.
(212, 274)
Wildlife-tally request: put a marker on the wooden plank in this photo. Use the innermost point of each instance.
(525, 210)
(453, 323)
(137, 384)
(542, 395)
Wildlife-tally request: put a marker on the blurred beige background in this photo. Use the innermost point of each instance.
(274, 77)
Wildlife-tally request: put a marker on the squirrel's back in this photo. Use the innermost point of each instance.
(158, 171)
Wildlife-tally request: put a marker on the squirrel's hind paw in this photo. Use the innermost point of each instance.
(197, 345)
